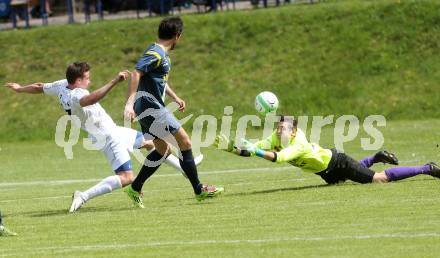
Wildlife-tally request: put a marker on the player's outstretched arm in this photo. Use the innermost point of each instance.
(34, 88)
(254, 150)
(175, 98)
(129, 113)
(100, 93)
(224, 143)
(285, 155)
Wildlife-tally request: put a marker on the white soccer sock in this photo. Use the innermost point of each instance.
(107, 185)
(174, 162)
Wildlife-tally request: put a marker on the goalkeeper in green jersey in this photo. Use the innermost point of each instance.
(289, 144)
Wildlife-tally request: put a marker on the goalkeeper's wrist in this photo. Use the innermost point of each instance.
(259, 152)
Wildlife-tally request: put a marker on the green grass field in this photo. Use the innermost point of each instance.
(335, 57)
(267, 210)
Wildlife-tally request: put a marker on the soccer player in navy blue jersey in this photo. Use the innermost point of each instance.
(150, 79)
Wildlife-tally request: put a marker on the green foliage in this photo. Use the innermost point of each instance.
(340, 57)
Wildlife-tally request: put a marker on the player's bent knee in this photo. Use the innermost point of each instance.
(148, 144)
(166, 151)
(183, 139)
(126, 178)
(186, 144)
(161, 146)
(380, 177)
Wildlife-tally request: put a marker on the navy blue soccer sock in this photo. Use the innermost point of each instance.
(189, 166)
(147, 170)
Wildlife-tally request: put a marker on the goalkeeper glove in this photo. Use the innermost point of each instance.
(251, 148)
(222, 142)
(248, 146)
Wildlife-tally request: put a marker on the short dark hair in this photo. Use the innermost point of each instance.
(290, 120)
(76, 70)
(170, 28)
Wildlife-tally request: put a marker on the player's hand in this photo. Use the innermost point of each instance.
(181, 103)
(221, 141)
(13, 86)
(247, 145)
(122, 76)
(129, 113)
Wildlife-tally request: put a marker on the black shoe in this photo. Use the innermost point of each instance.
(435, 169)
(386, 157)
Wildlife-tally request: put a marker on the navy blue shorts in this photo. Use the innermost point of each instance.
(156, 122)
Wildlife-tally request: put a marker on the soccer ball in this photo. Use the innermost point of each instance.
(266, 102)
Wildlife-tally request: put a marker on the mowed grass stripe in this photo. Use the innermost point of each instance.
(55, 249)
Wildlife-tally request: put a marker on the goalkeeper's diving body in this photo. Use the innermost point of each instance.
(289, 144)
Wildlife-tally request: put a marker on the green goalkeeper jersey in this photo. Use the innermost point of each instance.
(299, 152)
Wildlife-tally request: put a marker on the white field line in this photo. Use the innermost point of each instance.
(101, 247)
(75, 181)
(61, 182)
(64, 182)
(150, 190)
(37, 198)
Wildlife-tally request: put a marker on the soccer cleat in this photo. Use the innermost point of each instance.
(77, 201)
(209, 191)
(386, 157)
(6, 232)
(435, 169)
(134, 196)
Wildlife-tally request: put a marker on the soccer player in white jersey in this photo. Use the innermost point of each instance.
(114, 142)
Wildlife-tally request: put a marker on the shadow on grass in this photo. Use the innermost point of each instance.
(64, 212)
(297, 188)
(204, 202)
(307, 187)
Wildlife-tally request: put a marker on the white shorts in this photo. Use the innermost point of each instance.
(129, 137)
(118, 146)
